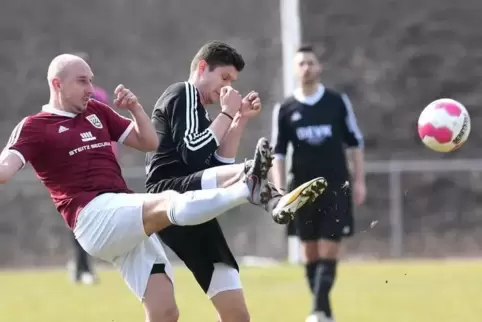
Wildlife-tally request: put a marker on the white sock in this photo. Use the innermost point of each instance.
(197, 207)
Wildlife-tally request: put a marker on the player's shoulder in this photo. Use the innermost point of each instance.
(174, 92)
(39, 118)
(33, 123)
(338, 98)
(97, 107)
(333, 93)
(178, 89)
(97, 112)
(95, 104)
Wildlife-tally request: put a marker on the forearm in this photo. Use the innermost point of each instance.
(220, 127)
(357, 160)
(144, 129)
(228, 147)
(279, 174)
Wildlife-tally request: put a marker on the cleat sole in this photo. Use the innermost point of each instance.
(306, 194)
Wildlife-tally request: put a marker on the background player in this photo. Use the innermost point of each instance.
(319, 123)
(189, 157)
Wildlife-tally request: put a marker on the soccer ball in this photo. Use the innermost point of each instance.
(444, 125)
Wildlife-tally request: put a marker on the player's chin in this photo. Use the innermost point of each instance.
(81, 107)
(215, 97)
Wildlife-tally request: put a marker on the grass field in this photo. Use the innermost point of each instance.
(442, 291)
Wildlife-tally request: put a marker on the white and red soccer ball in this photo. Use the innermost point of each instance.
(444, 125)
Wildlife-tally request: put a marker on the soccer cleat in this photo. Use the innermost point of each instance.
(319, 317)
(88, 278)
(290, 203)
(256, 173)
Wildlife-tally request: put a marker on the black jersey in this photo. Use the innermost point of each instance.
(319, 127)
(186, 144)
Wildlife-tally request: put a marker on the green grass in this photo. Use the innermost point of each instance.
(365, 292)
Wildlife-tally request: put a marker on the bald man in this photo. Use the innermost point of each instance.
(68, 145)
(81, 269)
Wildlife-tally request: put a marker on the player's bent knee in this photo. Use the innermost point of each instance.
(163, 314)
(329, 249)
(155, 209)
(235, 315)
(310, 251)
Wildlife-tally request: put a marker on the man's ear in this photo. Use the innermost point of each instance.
(56, 83)
(202, 66)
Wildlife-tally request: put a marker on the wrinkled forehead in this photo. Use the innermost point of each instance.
(228, 72)
(305, 58)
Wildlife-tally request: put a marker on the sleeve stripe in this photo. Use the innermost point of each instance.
(192, 125)
(194, 140)
(200, 142)
(274, 124)
(16, 133)
(127, 131)
(20, 155)
(351, 122)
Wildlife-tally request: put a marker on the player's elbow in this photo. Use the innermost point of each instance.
(4, 177)
(152, 143)
(149, 144)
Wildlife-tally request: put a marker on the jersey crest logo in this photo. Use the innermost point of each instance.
(95, 121)
(296, 116)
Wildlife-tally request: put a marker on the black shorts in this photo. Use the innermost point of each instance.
(200, 246)
(329, 217)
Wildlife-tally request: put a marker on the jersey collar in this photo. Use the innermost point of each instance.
(52, 110)
(309, 100)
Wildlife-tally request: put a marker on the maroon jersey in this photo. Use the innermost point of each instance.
(72, 154)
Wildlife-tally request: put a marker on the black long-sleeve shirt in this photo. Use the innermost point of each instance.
(319, 127)
(186, 144)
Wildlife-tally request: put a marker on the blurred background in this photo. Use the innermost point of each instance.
(391, 57)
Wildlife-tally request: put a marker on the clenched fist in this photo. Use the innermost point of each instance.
(230, 100)
(251, 105)
(124, 98)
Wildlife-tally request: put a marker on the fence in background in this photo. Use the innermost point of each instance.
(456, 213)
(414, 209)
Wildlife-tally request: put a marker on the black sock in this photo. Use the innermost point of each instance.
(82, 264)
(325, 277)
(310, 274)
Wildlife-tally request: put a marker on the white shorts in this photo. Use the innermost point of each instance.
(110, 227)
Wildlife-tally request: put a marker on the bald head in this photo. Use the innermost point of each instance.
(65, 64)
(70, 82)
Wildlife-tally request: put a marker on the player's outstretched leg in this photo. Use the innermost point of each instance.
(196, 207)
(199, 206)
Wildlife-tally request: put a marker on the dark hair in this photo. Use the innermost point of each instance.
(216, 54)
(306, 49)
